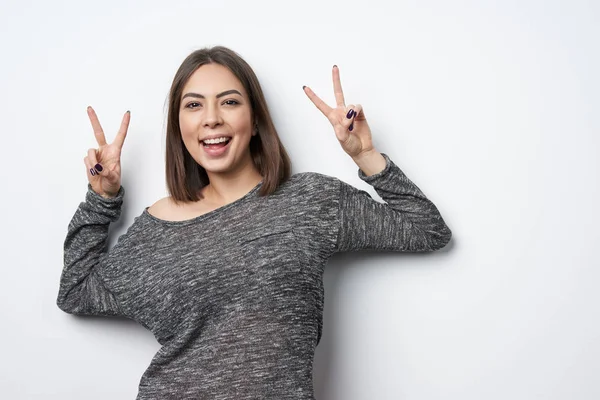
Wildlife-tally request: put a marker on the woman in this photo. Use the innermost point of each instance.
(227, 271)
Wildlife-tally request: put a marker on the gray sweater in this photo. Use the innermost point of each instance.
(235, 296)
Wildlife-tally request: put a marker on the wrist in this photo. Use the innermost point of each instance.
(370, 162)
(105, 195)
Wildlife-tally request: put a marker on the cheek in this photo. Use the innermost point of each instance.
(242, 122)
(185, 125)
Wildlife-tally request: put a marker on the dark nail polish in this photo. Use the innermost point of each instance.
(349, 115)
(98, 167)
(355, 113)
(303, 87)
(92, 171)
(335, 66)
(351, 126)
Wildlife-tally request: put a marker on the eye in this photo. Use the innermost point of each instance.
(189, 104)
(231, 102)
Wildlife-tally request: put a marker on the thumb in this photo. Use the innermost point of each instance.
(359, 112)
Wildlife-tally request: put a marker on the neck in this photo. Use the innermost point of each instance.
(226, 188)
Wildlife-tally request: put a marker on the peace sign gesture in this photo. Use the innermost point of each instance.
(104, 164)
(349, 122)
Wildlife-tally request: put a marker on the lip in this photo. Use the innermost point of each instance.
(217, 151)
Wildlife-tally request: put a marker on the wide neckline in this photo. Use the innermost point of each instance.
(206, 215)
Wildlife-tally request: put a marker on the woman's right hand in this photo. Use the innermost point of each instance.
(104, 163)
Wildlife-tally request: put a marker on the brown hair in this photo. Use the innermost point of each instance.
(185, 177)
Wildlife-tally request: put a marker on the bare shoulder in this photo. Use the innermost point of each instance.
(162, 208)
(166, 209)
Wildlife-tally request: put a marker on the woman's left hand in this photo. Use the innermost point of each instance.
(349, 122)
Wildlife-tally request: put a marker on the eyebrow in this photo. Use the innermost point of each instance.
(197, 95)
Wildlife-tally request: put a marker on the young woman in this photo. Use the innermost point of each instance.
(226, 272)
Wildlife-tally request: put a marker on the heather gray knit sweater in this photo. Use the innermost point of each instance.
(235, 296)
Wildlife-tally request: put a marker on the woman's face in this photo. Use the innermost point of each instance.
(214, 104)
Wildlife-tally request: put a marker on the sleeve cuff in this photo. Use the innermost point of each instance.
(385, 171)
(95, 197)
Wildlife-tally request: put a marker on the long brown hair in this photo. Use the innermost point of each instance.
(185, 177)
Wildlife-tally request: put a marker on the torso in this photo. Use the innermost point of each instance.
(236, 299)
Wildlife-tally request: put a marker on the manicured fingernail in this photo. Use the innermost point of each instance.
(92, 171)
(355, 113)
(351, 126)
(349, 115)
(335, 66)
(303, 87)
(98, 167)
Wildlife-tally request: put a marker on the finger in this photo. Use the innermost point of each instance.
(349, 118)
(357, 111)
(93, 159)
(324, 108)
(91, 172)
(337, 87)
(98, 132)
(122, 134)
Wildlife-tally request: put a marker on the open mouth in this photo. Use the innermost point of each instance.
(216, 143)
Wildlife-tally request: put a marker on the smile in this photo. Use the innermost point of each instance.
(216, 147)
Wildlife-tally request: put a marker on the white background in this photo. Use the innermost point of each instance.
(491, 109)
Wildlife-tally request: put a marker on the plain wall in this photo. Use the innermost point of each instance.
(491, 108)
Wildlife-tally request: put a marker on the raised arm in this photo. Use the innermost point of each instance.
(407, 221)
(83, 290)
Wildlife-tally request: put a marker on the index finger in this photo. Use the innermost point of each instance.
(324, 108)
(120, 139)
(337, 87)
(98, 132)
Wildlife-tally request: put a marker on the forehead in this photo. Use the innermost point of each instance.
(211, 79)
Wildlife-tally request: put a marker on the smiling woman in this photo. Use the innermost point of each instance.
(216, 94)
(215, 144)
(227, 273)
(218, 114)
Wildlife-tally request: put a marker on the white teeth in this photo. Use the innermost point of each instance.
(216, 140)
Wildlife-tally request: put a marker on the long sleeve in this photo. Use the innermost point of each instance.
(407, 221)
(82, 289)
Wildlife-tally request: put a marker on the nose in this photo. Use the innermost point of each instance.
(212, 116)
